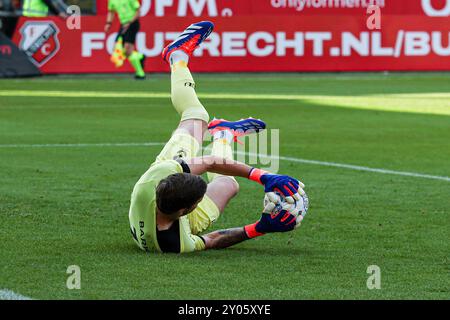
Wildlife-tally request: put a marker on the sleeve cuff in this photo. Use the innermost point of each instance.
(184, 165)
(255, 174)
(250, 231)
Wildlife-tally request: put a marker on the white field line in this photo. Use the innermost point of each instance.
(82, 145)
(6, 294)
(289, 159)
(357, 168)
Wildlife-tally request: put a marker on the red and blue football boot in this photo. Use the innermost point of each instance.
(237, 128)
(190, 39)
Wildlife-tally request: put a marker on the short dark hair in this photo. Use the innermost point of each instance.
(179, 191)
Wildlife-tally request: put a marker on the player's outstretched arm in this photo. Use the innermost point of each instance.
(227, 167)
(222, 239)
(289, 187)
(274, 219)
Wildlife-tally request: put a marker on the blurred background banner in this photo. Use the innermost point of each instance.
(214, 8)
(256, 36)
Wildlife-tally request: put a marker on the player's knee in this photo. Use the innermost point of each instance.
(201, 114)
(195, 113)
(128, 49)
(232, 185)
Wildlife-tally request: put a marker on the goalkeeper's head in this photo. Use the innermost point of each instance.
(179, 194)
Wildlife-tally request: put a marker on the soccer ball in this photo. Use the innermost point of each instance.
(299, 208)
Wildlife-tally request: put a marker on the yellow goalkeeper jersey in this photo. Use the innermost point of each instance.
(142, 213)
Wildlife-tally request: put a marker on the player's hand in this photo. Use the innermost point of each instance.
(107, 27)
(273, 219)
(298, 209)
(286, 186)
(276, 218)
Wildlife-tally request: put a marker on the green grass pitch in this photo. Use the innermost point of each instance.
(63, 205)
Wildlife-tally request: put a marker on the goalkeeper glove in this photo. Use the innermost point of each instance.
(289, 187)
(275, 218)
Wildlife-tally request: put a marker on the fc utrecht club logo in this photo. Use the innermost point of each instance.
(39, 41)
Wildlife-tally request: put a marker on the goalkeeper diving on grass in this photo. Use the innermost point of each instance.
(172, 206)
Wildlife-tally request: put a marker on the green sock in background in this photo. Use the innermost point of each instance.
(135, 60)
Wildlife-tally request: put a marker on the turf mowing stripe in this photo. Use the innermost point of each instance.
(143, 95)
(395, 102)
(291, 159)
(6, 294)
(236, 96)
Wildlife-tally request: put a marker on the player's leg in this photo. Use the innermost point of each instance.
(194, 117)
(221, 190)
(188, 137)
(225, 133)
(221, 148)
(128, 48)
(135, 58)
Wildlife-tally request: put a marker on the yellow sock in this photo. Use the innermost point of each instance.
(184, 97)
(221, 148)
